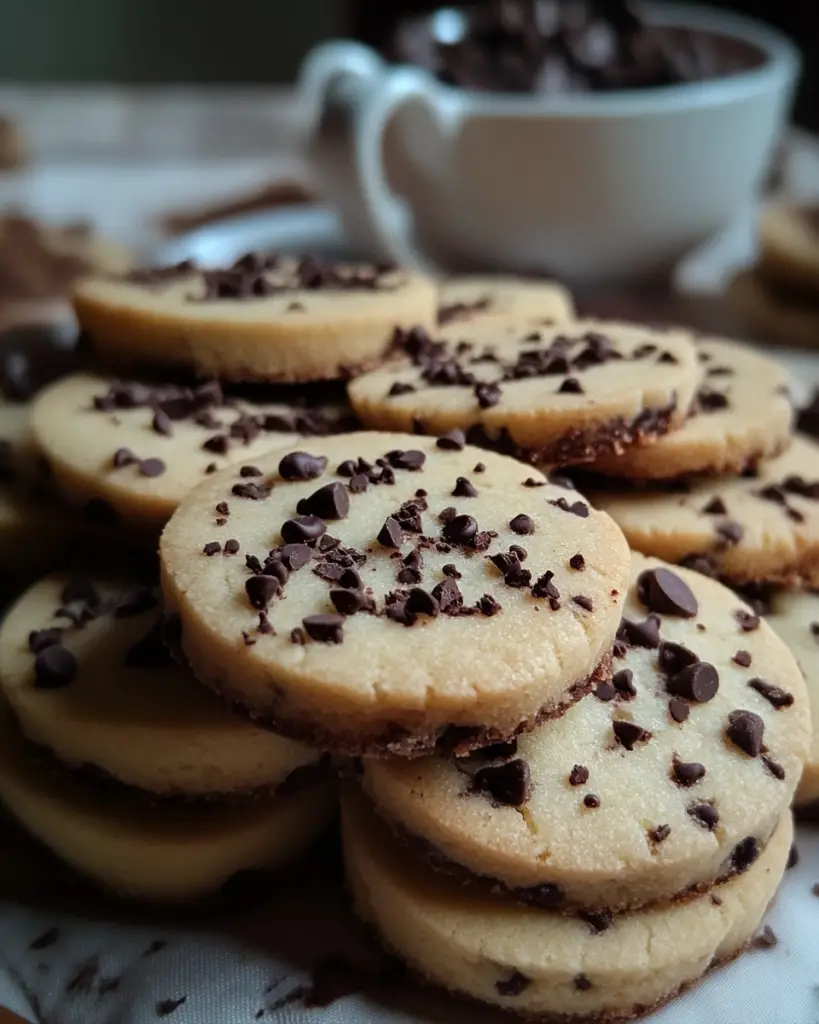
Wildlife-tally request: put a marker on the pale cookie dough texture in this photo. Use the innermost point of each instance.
(773, 314)
(538, 963)
(84, 667)
(266, 318)
(167, 853)
(139, 448)
(789, 245)
(419, 592)
(566, 393)
(795, 617)
(467, 299)
(638, 793)
(741, 413)
(762, 528)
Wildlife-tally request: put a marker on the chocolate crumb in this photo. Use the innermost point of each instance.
(660, 833)
(577, 562)
(579, 775)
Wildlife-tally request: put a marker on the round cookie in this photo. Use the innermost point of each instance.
(268, 317)
(795, 617)
(637, 793)
(164, 853)
(742, 413)
(139, 448)
(772, 313)
(84, 668)
(467, 299)
(762, 528)
(420, 592)
(789, 245)
(566, 393)
(537, 963)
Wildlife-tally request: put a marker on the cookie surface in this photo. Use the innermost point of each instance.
(551, 394)
(467, 299)
(265, 318)
(539, 963)
(742, 413)
(789, 245)
(140, 448)
(166, 853)
(774, 314)
(763, 528)
(84, 668)
(795, 617)
(417, 593)
(603, 807)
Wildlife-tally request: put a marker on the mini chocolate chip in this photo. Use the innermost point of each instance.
(451, 570)
(213, 547)
(460, 530)
(297, 636)
(773, 766)
(673, 658)
(629, 733)
(531, 482)
(449, 597)
(508, 784)
(488, 395)
(665, 592)
(522, 525)
(678, 709)
(514, 985)
(302, 529)
(327, 629)
(410, 460)
(605, 691)
(742, 658)
(623, 682)
(745, 730)
(583, 602)
(39, 639)
(329, 502)
(453, 441)
(161, 423)
(488, 605)
(775, 695)
(766, 939)
(660, 833)
(54, 666)
(715, 507)
(744, 854)
(348, 602)
(570, 386)
(152, 467)
(231, 546)
(730, 531)
(262, 589)
(579, 775)
(687, 773)
(748, 622)
(642, 634)
(577, 562)
(698, 682)
(517, 576)
(391, 535)
(591, 800)
(464, 489)
(251, 491)
(302, 466)
(479, 467)
(400, 388)
(123, 457)
(577, 508)
(705, 815)
(419, 602)
(358, 484)
(544, 587)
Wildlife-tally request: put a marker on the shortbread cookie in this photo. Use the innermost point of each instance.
(755, 528)
(653, 785)
(140, 448)
(467, 299)
(84, 667)
(795, 617)
(772, 313)
(742, 413)
(789, 245)
(389, 593)
(267, 317)
(551, 394)
(538, 963)
(165, 853)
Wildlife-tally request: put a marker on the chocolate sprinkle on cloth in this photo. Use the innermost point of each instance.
(404, 617)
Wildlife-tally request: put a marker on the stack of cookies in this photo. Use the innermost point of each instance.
(778, 299)
(569, 767)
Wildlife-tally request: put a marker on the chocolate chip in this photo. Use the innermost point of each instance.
(449, 597)
(161, 424)
(605, 691)
(775, 695)
(514, 985)
(715, 507)
(748, 622)
(577, 508)
(531, 482)
(231, 546)
(687, 773)
(302, 466)
(453, 441)
(522, 525)
(262, 589)
(460, 530)
(488, 395)
(39, 639)
(517, 576)
(665, 592)
(584, 602)
(489, 606)
(742, 658)
(579, 775)
(623, 682)
(54, 666)
(348, 602)
(251, 491)
(508, 784)
(773, 766)
(577, 562)
(629, 733)
(213, 547)
(479, 467)
(451, 570)
(123, 457)
(358, 484)
(399, 388)
(673, 658)
(698, 682)
(152, 467)
(591, 800)
(327, 629)
(329, 502)
(570, 386)
(391, 535)
(544, 587)
(745, 730)
(730, 531)
(297, 636)
(744, 854)
(347, 468)
(464, 489)
(302, 529)
(678, 709)
(660, 833)
(705, 815)
(641, 634)
(766, 939)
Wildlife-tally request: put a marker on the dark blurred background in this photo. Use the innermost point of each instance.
(254, 41)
